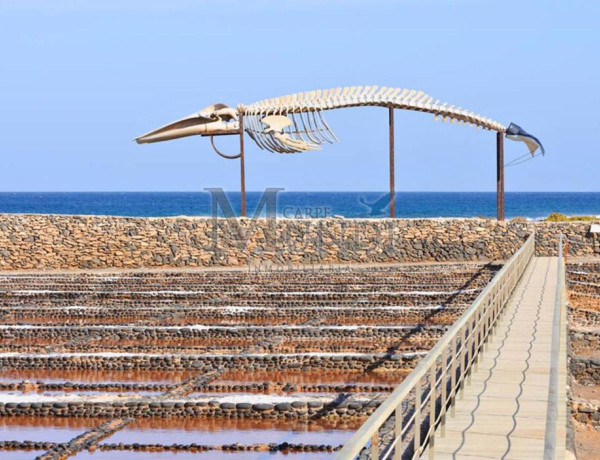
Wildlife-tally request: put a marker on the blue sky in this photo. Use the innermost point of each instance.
(80, 79)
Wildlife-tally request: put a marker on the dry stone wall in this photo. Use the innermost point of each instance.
(84, 242)
(585, 370)
(581, 242)
(586, 412)
(200, 409)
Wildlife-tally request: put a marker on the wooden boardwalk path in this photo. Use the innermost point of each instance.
(502, 413)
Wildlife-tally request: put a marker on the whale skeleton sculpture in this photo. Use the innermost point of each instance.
(296, 123)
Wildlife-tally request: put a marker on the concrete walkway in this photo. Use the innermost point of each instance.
(502, 414)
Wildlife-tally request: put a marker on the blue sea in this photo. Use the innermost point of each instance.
(531, 205)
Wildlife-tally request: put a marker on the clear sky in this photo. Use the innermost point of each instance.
(80, 79)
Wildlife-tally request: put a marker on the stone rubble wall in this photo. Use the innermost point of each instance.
(582, 340)
(258, 362)
(586, 370)
(223, 388)
(587, 412)
(62, 450)
(581, 242)
(98, 242)
(201, 409)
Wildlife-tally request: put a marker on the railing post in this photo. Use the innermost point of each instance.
(444, 391)
(398, 432)
(487, 333)
(375, 445)
(469, 340)
(432, 402)
(417, 422)
(483, 322)
(493, 318)
(453, 388)
(477, 341)
(463, 362)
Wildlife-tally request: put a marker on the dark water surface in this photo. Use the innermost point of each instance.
(46, 429)
(226, 431)
(533, 205)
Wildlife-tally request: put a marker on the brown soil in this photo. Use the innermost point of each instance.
(589, 393)
(588, 353)
(587, 442)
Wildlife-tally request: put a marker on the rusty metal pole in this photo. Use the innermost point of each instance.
(392, 179)
(242, 167)
(499, 176)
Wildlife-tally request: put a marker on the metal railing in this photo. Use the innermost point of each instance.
(558, 331)
(404, 424)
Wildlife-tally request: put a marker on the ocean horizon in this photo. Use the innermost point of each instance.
(529, 205)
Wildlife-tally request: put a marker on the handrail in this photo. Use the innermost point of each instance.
(458, 349)
(557, 326)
